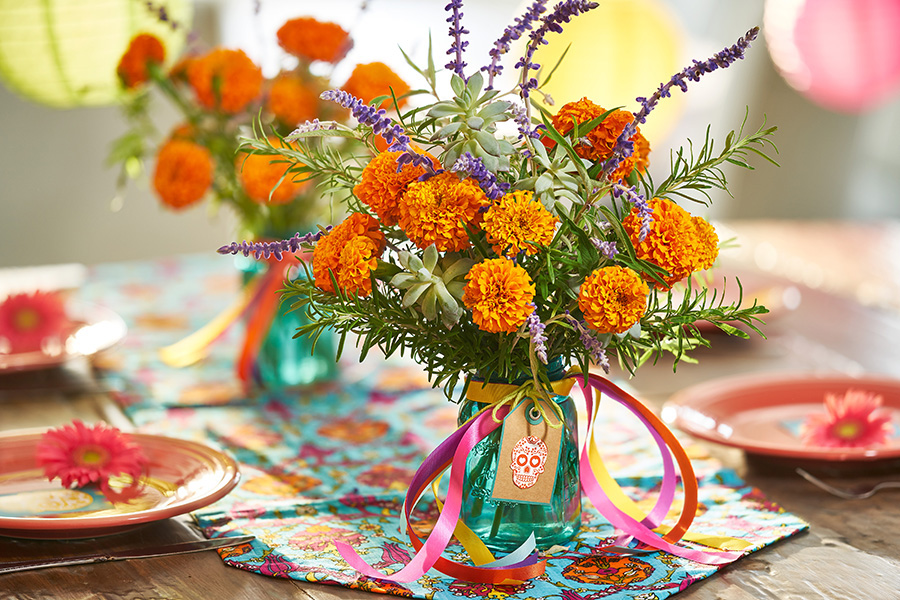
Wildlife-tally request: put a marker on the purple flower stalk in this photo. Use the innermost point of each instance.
(591, 343)
(277, 249)
(523, 120)
(536, 331)
(624, 147)
(474, 168)
(308, 126)
(607, 249)
(637, 200)
(561, 13)
(382, 125)
(511, 34)
(457, 46)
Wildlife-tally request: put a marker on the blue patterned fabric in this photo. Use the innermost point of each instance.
(333, 461)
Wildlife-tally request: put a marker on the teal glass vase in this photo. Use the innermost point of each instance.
(504, 525)
(285, 361)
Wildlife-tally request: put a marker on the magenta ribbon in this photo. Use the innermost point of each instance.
(454, 451)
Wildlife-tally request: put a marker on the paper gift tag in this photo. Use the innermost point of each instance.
(529, 453)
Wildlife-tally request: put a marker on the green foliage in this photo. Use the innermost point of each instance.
(417, 305)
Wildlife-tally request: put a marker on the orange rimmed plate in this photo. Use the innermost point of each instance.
(182, 476)
(761, 413)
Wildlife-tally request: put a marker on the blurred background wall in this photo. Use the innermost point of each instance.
(59, 202)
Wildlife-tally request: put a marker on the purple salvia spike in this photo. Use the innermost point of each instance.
(474, 168)
(624, 147)
(511, 34)
(382, 125)
(536, 331)
(561, 13)
(277, 249)
(637, 200)
(591, 343)
(457, 46)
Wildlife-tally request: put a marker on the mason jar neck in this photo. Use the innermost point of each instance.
(556, 370)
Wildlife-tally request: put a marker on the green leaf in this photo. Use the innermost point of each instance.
(444, 109)
(488, 142)
(494, 109)
(457, 85)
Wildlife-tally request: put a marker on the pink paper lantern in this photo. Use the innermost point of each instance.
(841, 54)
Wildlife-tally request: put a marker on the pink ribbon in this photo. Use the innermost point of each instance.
(453, 452)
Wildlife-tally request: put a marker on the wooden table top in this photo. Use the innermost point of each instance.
(845, 277)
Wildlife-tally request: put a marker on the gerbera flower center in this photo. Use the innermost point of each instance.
(91, 456)
(27, 319)
(847, 430)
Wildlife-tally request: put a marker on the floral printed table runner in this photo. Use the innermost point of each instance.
(333, 461)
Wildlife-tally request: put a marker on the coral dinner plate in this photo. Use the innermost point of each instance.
(93, 328)
(182, 476)
(762, 413)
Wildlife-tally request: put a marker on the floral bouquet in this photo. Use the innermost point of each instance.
(505, 248)
(219, 93)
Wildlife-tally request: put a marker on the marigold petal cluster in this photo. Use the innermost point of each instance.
(79, 455)
(183, 173)
(225, 79)
(311, 39)
(381, 185)
(518, 222)
(676, 242)
(350, 251)
(499, 293)
(27, 319)
(613, 299)
(261, 173)
(370, 80)
(142, 50)
(851, 420)
(291, 101)
(437, 211)
(598, 143)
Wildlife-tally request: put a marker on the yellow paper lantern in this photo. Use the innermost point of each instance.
(63, 53)
(619, 51)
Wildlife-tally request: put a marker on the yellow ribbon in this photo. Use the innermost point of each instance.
(195, 347)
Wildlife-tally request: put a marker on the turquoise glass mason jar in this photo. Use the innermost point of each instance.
(284, 361)
(504, 525)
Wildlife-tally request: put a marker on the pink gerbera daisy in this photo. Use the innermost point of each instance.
(26, 320)
(851, 420)
(79, 455)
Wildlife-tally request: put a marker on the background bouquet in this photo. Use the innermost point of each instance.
(487, 236)
(219, 93)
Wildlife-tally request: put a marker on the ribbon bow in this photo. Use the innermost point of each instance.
(597, 484)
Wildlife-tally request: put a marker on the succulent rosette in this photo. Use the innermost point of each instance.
(490, 253)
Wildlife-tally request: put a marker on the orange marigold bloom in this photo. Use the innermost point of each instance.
(601, 140)
(707, 250)
(435, 211)
(350, 251)
(676, 242)
(499, 293)
(368, 81)
(613, 299)
(143, 49)
(184, 171)
(381, 186)
(260, 173)
(225, 79)
(310, 39)
(517, 222)
(292, 101)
